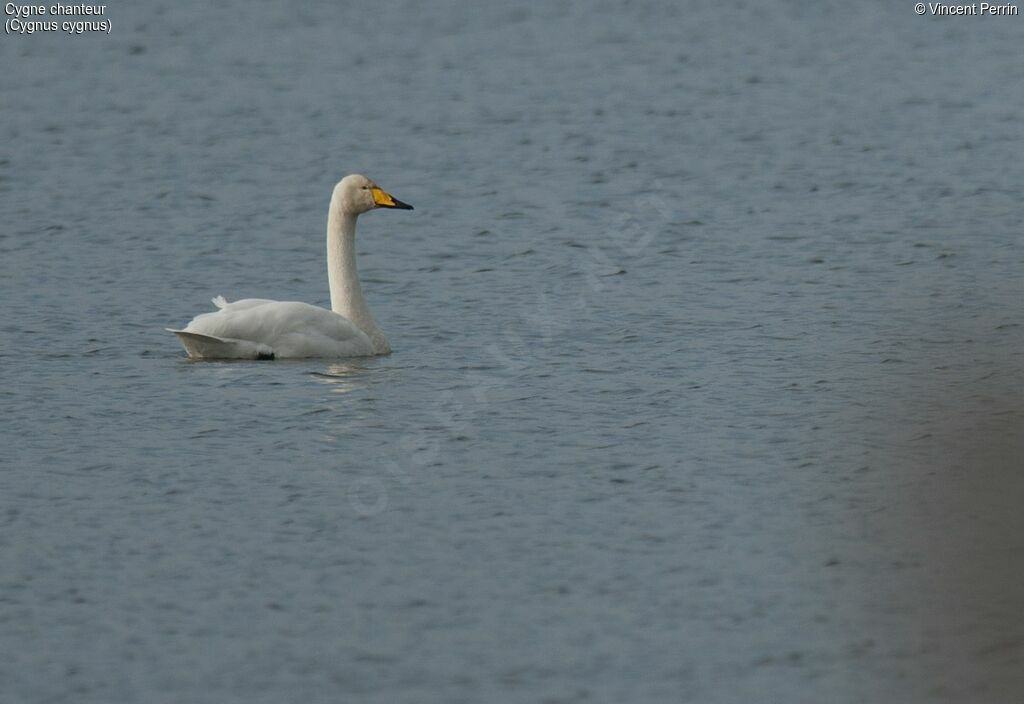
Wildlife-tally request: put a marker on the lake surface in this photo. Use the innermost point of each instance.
(707, 370)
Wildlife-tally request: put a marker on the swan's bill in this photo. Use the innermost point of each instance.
(386, 200)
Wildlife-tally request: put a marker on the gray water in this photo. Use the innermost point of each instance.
(707, 370)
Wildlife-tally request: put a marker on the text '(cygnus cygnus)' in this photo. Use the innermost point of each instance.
(256, 328)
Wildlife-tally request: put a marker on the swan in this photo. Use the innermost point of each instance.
(257, 328)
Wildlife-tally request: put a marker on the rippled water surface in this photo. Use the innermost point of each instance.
(707, 371)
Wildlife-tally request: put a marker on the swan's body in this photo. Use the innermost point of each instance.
(257, 328)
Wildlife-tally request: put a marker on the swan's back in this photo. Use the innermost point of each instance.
(255, 328)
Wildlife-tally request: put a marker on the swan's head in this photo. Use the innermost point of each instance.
(357, 194)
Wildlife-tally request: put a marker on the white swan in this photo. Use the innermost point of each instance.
(256, 328)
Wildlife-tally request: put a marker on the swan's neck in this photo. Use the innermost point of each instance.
(346, 294)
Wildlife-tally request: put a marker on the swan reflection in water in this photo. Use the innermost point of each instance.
(345, 377)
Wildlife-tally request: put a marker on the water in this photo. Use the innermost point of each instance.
(707, 370)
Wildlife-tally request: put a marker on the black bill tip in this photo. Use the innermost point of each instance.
(399, 205)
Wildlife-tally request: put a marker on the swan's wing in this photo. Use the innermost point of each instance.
(199, 346)
(241, 304)
(287, 328)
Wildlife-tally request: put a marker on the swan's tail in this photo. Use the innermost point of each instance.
(200, 346)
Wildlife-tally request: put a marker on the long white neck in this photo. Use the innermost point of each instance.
(346, 294)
